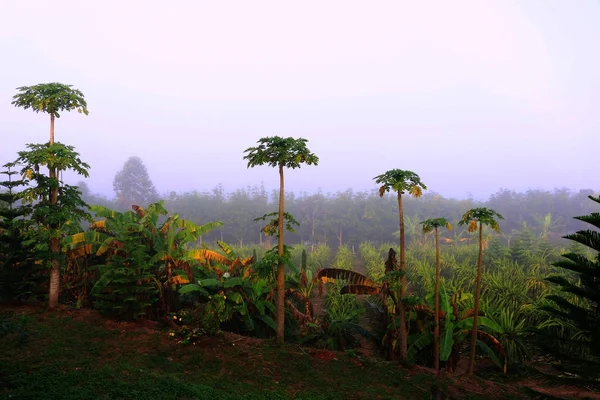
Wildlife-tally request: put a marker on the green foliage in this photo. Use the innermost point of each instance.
(340, 325)
(271, 228)
(482, 215)
(522, 248)
(50, 98)
(16, 254)
(280, 152)
(400, 181)
(512, 333)
(224, 299)
(69, 209)
(138, 258)
(344, 259)
(373, 259)
(132, 185)
(127, 287)
(430, 224)
(319, 257)
(578, 303)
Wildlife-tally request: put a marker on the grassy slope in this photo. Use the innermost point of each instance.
(79, 355)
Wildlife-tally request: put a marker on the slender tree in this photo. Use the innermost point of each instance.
(401, 182)
(476, 219)
(51, 98)
(278, 152)
(433, 224)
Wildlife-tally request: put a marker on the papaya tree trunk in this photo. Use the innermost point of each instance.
(401, 311)
(51, 128)
(280, 265)
(54, 287)
(476, 308)
(436, 326)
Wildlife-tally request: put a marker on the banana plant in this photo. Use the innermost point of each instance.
(235, 295)
(455, 330)
(132, 240)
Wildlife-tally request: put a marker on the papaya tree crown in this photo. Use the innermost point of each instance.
(483, 215)
(50, 98)
(400, 181)
(277, 151)
(431, 223)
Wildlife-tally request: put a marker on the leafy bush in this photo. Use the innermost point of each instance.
(373, 259)
(319, 257)
(344, 259)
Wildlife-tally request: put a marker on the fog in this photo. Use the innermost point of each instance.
(473, 96)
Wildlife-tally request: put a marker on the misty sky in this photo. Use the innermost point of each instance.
(474, 96)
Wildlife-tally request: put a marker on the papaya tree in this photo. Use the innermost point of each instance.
(476, 219)
(401, 182)
(52, 98)
(433, 224)
(280, 153)
(57, 208)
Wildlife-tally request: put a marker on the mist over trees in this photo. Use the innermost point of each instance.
(132, 185)
(350, 217)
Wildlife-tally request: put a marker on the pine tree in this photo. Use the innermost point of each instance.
(16, 263)
(578, 304)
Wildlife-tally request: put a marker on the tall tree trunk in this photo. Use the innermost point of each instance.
(54, 288)
(476, 308)
(436, 327)
(401, 310)
(51, 128)
(280, 266)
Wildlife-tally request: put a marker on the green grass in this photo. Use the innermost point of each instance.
(79, 355)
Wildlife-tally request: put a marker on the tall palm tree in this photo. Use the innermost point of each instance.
(476, 219)
(51, 98)
(279, 152)
(433, 224)
(401, 181)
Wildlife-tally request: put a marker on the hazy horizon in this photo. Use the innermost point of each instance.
(473, 96)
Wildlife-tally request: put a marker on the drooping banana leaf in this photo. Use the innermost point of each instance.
(210, 282)
(192, 287)
(353, 278)
(490, 353)
(227, 250)
(360, 289)
(269, 321)
(205, 256)
(467, 323)
(417, 342)
(231, 282)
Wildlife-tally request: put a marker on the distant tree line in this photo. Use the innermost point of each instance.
(348, 217)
